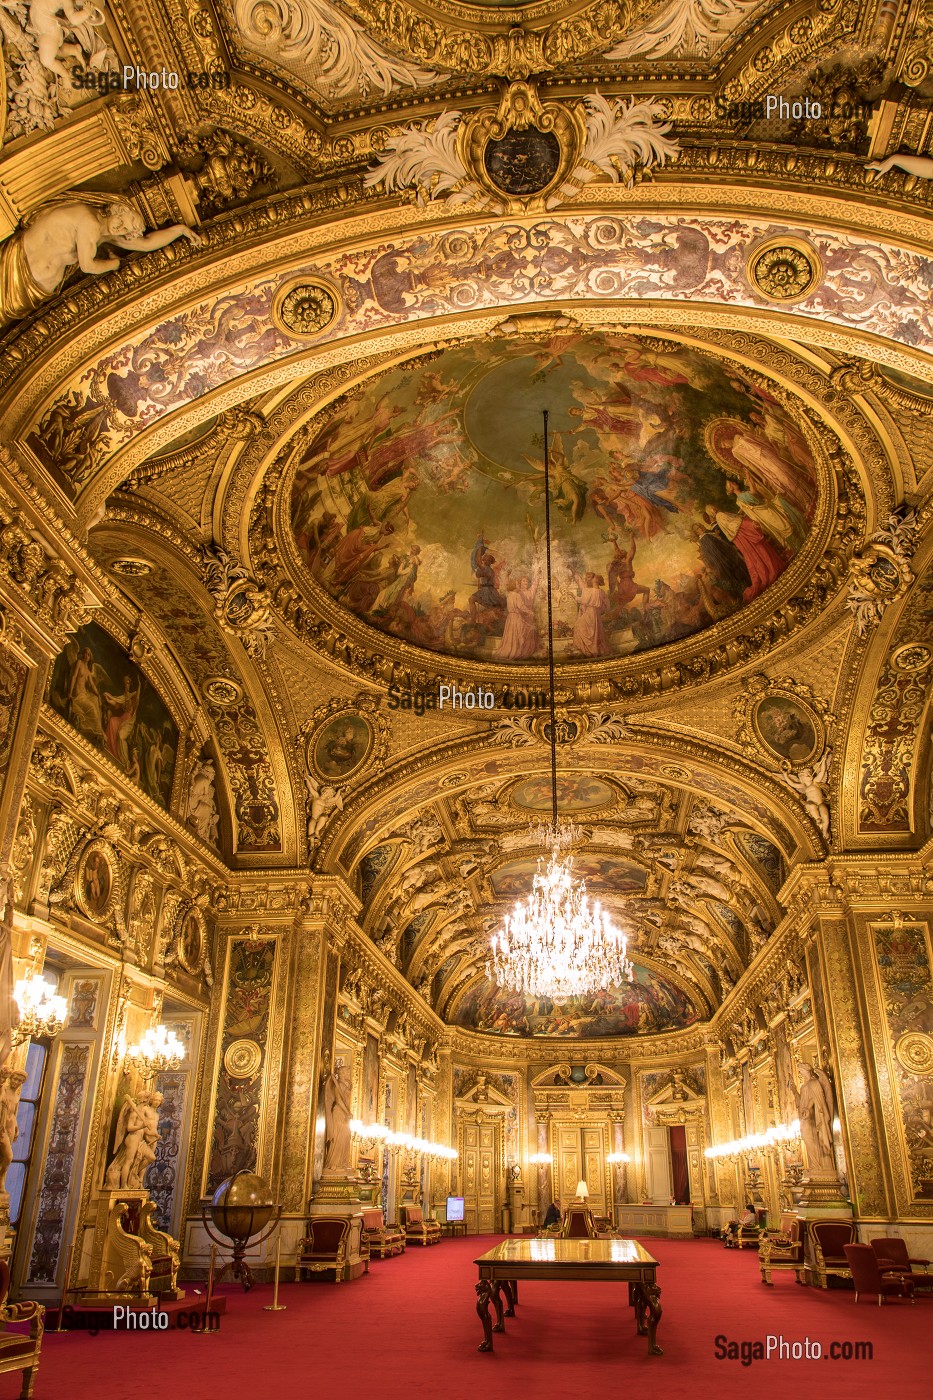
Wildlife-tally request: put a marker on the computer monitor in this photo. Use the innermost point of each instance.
(454, 1207)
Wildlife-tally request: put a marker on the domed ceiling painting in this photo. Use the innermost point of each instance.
(680, 491)
(648, 1003)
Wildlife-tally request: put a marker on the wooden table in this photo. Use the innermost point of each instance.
(590, 1261)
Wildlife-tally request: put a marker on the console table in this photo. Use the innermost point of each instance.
(592, 1261)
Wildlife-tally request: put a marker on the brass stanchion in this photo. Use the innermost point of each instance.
(275, 1305)
(201, 1331)
(61, 1306)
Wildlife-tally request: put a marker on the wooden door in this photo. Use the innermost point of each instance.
(580, 1157)
(478, 1156)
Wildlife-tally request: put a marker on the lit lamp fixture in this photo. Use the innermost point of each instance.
(582, 1190)
(771, 1140)
(542, 1159)
(376, 1135)
(614, 1157)
(41, 1010)
(557, 945)
(158, 1051)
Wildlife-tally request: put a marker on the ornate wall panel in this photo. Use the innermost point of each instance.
(904, 970)
(52, 1205)
(243, 1067)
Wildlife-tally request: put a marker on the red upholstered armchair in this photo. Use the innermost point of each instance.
(417, 1229)
(18, 1352)
(892, 1256)
(324, 1247)
(868, 1277)
(578, 1223)
(382, 1239)
(781, 1249)
(827, 1240)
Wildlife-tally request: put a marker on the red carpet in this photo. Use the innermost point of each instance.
(410, 1329)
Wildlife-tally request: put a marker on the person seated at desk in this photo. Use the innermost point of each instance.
(748, 1220)
(552, 1216)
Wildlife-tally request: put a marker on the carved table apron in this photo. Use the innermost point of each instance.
(592, 1261)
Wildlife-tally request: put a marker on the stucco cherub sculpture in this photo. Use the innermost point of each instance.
(35, 260)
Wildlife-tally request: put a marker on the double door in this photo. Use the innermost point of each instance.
(479, 1156)
(581, 1157)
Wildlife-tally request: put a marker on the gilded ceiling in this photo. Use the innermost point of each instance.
(301, 449)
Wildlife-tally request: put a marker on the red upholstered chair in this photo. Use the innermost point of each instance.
(382, 1239)
(18, 1352)
(781, 1249)
(578, 1223)
(417, 1229)
(827, 1240)
(324, 1247)
(869, 1278)
(892, 1256)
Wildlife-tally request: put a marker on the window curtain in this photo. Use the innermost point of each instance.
(680, 1176)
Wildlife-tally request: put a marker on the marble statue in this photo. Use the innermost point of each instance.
(202, 801)
(322, 803)
(337, 1119)
(815, 1111)
(921, 166)
(145, 1152)
(131, 1129)
(11, 1083)
(35, 260)
(812, 785)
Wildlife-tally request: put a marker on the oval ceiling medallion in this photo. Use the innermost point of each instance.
(680, 489)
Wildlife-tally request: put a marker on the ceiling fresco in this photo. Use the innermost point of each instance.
(682, 491)
(648, 1004)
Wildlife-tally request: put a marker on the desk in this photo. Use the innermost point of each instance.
(592, 1261)
(673, 1222)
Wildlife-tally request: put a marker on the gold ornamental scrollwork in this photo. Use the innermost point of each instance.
(784, 270)
(524, 151)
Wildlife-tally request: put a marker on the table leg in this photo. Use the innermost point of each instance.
(515, 1291)
(499, 1325)
(509, 1289)
(652, 1297)
(483, 1295)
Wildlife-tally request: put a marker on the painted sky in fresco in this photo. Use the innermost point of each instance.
(680, 491)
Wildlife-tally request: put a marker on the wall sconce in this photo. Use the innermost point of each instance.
(41, 1010)
(540, 1159)
(614, 1157)
(158, 1051)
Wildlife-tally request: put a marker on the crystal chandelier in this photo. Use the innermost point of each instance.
(41, 1009)
(158, 1051)
(557, 944)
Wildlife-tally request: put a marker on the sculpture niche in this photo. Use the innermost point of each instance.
(130, 1256)
(35, 260)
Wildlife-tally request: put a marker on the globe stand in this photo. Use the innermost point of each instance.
(243, 1213)
(238, 1266)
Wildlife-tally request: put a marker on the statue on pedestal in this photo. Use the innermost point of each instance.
(11, 1083)
(815, 1111)
(337, 1119)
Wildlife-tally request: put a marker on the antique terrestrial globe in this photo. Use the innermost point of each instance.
(241, 1209)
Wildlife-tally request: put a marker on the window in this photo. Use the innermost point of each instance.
(26, 1115)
